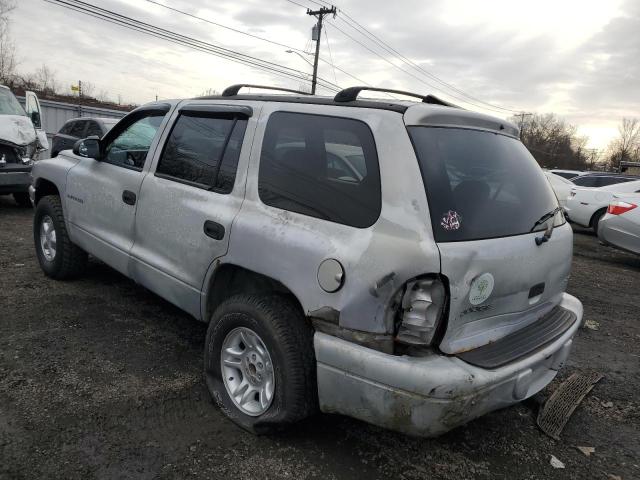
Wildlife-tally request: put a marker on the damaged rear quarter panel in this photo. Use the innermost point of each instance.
(377, 260)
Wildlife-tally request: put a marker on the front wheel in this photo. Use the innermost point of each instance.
(58, 256)
(259, 362)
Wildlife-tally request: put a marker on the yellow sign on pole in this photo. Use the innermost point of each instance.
(75, 88)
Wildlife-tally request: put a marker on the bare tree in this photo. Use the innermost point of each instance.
(7, 47)
(46, 80)
(103, 96)
(553, 142)
(88, 89)
(627, 145)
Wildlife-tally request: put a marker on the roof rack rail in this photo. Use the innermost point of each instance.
(351, 94)
(234, 89)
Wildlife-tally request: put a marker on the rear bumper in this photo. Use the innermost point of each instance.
(618, 231)
(576, 214)
(430, 395)
(12, 182)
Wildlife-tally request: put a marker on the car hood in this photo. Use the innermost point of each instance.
(17, 129)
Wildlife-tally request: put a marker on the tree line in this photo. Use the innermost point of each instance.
(555, 143)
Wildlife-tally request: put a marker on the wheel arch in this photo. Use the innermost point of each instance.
(45, 187)
(596, 214)
(228, 279)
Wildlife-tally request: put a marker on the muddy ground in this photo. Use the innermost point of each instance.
(99, 378)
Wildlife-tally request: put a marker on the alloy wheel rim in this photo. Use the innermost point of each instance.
(247, 371)
(48, 242)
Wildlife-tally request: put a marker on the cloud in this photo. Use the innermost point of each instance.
(575, 58)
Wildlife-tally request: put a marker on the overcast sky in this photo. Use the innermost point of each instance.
(579, 59)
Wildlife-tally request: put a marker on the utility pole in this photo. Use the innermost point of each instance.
(318, 36)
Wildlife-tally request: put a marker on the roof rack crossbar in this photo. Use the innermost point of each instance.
(234, 89)
(351, 94)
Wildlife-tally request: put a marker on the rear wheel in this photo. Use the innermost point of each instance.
(259, 362)
(22, 199)
(58, 256)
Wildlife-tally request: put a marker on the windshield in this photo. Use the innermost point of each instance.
(480, 184)
(9, 104)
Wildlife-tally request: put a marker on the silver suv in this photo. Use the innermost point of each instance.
(400, 262)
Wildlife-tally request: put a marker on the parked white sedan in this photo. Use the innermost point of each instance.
(561, 186)
(587, 206)
(620, 227)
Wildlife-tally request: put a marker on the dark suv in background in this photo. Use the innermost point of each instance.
(77, 128)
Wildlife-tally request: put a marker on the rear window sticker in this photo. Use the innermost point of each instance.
(451, 220)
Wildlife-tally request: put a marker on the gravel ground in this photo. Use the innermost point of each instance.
(99, 378)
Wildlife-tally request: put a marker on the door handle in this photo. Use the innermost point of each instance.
(129, 197)
(213, 230)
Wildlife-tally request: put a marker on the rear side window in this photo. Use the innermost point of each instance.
(77, 129)
(320, 166)
(480, 184)
(66, 128)
(604, 181)
(203, 151)
(586, 181)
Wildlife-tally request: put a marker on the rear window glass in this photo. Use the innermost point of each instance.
(480, 184)
(320, 166)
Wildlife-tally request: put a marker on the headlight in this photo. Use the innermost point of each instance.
(422, 308)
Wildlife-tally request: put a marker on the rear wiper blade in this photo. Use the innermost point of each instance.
(545, 217)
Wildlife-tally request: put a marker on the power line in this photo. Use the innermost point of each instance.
(241, 32)
(354, 24)
(330, 62)
(326, 37)
(173, 37)
(421, 80)
(366, 33)
(307, 48)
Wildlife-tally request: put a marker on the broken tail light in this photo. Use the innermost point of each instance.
(618, 207)
(422, 309)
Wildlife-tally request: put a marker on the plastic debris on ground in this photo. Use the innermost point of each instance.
(555, 463)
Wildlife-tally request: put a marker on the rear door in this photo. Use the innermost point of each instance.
(487, 197)
(188, 205)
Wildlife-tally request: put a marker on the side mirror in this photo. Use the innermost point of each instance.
(89, 147)
(35, 119)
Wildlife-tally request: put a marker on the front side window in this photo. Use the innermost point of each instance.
(320, 166)
(93, 129)
(481, 184)
(129, 148)
(203, 150)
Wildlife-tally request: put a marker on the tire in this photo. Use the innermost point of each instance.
(22, 199)
(288, 339)
(595, 220)
(65, 260)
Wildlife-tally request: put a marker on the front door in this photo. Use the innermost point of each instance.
(187, 207)
(34, 111)
(102, 195)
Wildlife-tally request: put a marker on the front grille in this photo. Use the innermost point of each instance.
(523, 342)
